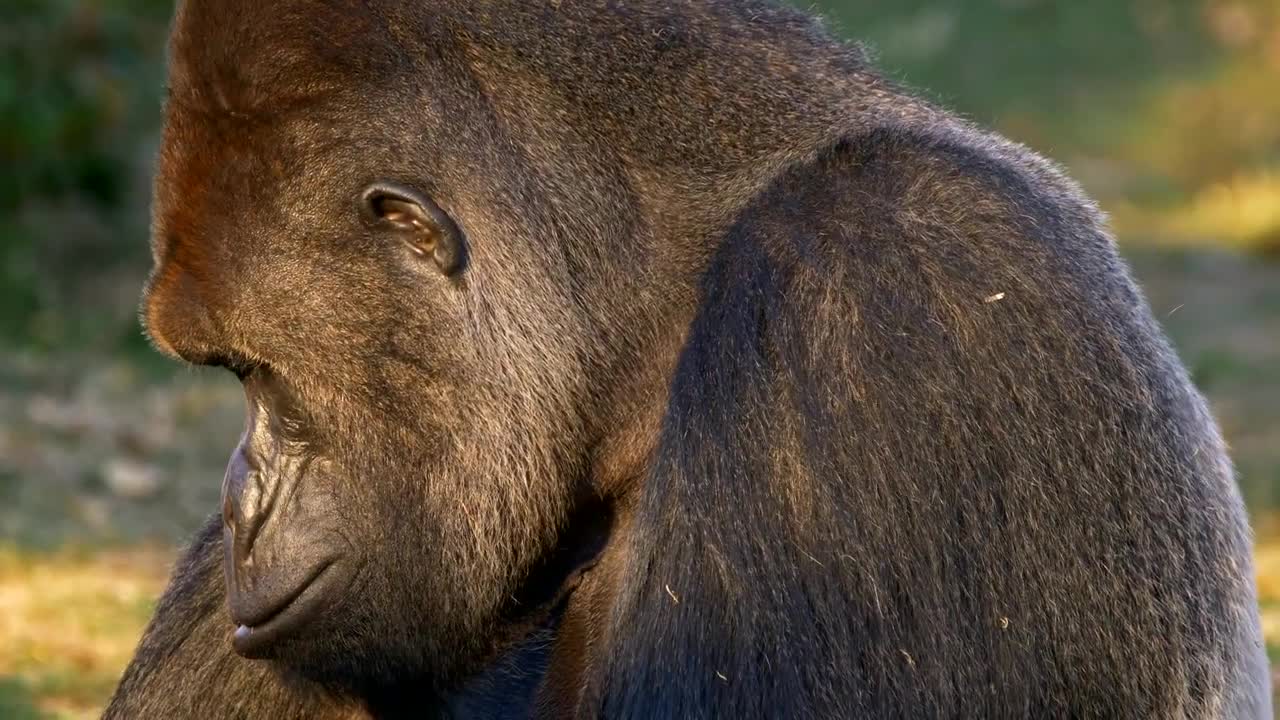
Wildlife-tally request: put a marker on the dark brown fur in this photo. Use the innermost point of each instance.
(768, 389)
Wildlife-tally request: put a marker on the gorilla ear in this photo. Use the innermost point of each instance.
(428, 231)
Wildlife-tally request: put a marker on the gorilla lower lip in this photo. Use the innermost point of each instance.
(254, 637)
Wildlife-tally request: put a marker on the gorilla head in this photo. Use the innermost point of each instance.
(395, 296)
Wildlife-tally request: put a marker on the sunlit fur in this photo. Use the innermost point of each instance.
(877, 423)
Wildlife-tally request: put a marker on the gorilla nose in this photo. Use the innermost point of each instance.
(280, 565)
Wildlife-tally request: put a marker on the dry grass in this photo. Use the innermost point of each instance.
(69, 623)
(1241, 212)
(1267, 558)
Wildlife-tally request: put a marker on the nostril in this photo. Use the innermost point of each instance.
(246, 506)
(247, 536)
(228, 514)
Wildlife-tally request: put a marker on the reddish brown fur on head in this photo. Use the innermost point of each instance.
(238, 81)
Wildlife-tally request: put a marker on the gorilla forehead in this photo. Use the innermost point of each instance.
(230, 55)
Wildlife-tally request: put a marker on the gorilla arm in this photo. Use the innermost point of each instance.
(185, 665)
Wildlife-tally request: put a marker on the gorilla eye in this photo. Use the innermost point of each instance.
(428, 231)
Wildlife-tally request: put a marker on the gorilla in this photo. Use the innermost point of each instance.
(660, 359)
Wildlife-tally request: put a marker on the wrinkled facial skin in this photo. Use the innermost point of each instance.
(287, 550)
(413, 437)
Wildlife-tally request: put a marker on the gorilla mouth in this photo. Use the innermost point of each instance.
(255, 635)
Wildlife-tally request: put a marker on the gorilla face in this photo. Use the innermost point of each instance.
(391, 296)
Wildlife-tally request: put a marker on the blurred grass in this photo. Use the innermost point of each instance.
(1166, 110)
(1155, 105)
(1241, 212)
(68, 624)
(80, 90)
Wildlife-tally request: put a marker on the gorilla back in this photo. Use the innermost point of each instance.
(660, 359)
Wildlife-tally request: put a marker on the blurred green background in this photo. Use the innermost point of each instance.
(1167, 110)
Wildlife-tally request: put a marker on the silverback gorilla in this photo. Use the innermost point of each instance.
(659, 359)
